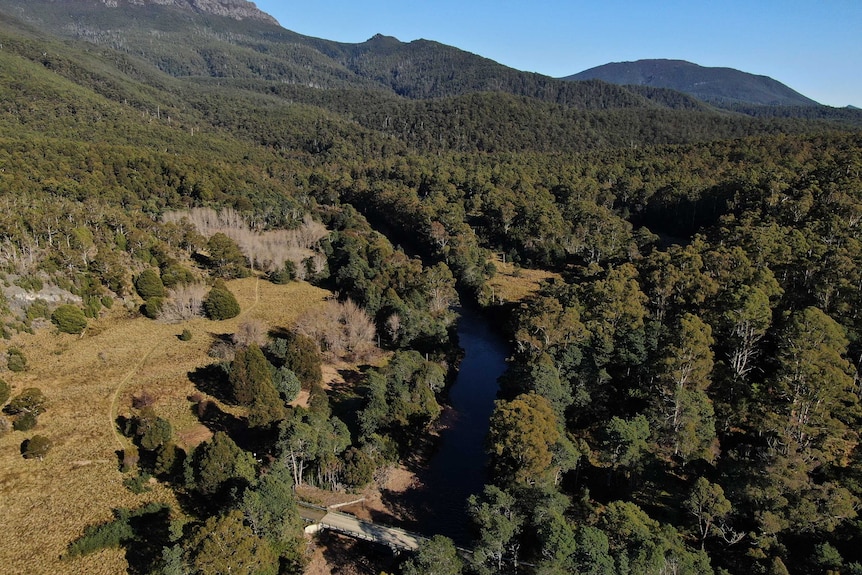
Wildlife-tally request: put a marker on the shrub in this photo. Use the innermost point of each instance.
(149, 285)
(153, 307)
(287, 384)
(359, 468)
(186, 335)
(138, 484)
(299, 354)
(69, 319)
(24, 422)
(175, 275)
(30, 400)
(130, 459)
(284, 275)
(220, 303)
(39, 308)
(36, 447)
(16, 360)
(154, 433)
(5, 392)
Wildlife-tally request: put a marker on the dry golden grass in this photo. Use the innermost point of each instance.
(513, 284)
(89, 381)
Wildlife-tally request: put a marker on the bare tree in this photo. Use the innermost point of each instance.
(251, 331)
(342, 330)
(183, 303)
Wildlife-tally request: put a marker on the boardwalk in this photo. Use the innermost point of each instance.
(392, 537)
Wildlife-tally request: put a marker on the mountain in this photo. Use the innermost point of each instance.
(189, 61)
(719, 86)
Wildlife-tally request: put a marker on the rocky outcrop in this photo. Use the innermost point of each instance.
(236, 9)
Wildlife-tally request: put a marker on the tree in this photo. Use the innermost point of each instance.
(435, 556)
(624, 442)
(683, 418)
(225, 544)
(521, 437)
(217, 463)
(707, 503)
(69, 319)
(226, 258)
(299, 354)
(153, 432)
(748, 319)
(269, 507)
(148, 284)
(220, 303)
(498, 523)
(813, 391)
(252, 386)
(287, 384)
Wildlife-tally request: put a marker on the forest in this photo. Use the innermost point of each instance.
(682, 396)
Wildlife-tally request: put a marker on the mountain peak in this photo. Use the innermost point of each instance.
(721, 86)
(236, 9)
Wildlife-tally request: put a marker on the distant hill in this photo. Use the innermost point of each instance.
(720, 86)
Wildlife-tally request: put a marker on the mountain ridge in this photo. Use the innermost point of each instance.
(722, 86)
(236, 9)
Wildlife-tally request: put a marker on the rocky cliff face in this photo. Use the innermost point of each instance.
(236, 9)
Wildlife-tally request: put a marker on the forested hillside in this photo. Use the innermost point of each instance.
(684, 397)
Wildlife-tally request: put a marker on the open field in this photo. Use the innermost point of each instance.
(512, 284)
(89, 381)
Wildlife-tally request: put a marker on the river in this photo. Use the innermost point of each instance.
(457, 468)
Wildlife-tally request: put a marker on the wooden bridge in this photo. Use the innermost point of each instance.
(320, 518)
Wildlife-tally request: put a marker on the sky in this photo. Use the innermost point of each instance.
(814, 46)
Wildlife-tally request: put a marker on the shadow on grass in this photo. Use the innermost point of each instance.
(142, 532)
(212, 380)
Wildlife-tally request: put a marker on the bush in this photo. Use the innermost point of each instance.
(36, 447)
(220, 303)
(299, 354)
(149, 285)
(30, 400)
(24, 422)
(154, 433)
(287, 384)
(153, 307)
(186, 335)
(16, 360)
(359, 468)
(69, 319)
(284, 275)
(5, 392)
(138, 484)
(130, 459)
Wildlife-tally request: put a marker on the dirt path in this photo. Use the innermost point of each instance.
(112, 411)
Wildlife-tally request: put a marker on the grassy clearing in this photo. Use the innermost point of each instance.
(89, 381)
(513, 284)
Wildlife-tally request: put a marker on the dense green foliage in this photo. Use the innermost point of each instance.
(684, 399)
(69, 319)
(220, 303)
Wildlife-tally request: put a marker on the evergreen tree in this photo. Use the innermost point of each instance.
(220, 303)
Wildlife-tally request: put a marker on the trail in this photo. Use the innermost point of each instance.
(113, 409)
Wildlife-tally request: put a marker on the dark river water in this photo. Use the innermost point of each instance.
(457, 468)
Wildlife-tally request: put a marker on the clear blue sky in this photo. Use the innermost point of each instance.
(815, 47)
